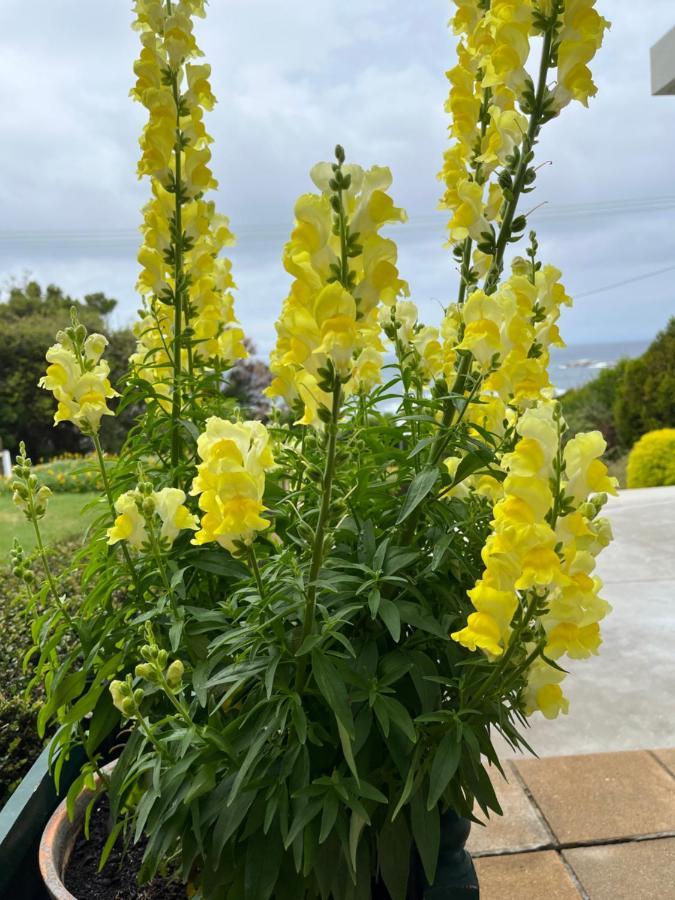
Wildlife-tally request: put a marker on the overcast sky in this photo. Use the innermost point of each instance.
(292, 79)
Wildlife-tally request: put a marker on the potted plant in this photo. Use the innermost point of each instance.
(309, 630)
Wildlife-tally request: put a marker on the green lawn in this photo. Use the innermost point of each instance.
(64, 519)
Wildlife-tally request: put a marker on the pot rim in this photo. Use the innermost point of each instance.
(58, 840)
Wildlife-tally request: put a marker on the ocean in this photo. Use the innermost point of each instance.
(578, 364)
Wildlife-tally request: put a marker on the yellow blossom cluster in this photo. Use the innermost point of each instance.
(184, 281)
(510, 332)
(230, 481)
(78, 378)
(137, 511)
(540, 555)
(581, 36)
(331, 312)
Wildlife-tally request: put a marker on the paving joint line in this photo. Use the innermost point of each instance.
(661, 763)
(537, 809)
(558, 847)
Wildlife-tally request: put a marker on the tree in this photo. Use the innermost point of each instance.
(591, 407)
(645, 397)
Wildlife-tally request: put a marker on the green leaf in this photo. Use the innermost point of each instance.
(356, 826)
(394, 857)
(374, 599)
(346, 742)
(426, 828)
(444, 766)
(333, 689)
(391, 617)
(263, 861)
(420, 486)
(109, 844)
(400, 717)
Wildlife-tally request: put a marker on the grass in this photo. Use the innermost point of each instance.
(64, 520)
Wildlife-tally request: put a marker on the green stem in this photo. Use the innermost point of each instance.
(50, 578)
(255, 568)
(530, 140)
(320, 533)
(178, 291)
(111, 502)
(514, 642)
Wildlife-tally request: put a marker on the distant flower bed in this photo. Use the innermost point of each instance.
(66, 474)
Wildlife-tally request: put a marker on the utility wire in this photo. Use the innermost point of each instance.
(611, 287)
(269, 231)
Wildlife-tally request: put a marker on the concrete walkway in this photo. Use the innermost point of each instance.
(624, 699)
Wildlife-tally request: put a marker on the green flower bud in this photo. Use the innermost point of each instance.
(147, 671)
(162, 659)
(128, 708)
(119, 694)
(174, 674)
(138, 696)
(148, 653)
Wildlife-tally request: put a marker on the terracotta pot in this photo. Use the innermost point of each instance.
(58, 840)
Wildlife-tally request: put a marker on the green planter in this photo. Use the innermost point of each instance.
(22, 821)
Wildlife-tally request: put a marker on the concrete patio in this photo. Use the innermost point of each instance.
(597, 827)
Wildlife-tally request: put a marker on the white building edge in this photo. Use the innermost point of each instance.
(663, 65)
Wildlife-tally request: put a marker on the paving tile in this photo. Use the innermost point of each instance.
(667, 757)
(640, 870)
(520, 828)
(525, 876)
(603, 796)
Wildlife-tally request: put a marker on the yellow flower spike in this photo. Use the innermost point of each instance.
(168, 45)
(330, 318)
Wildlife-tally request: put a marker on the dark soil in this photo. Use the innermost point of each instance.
(117, 881)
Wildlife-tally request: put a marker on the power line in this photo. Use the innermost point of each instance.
(270, 231)
(611, 287)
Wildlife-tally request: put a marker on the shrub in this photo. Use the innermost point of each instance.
(645, 397)
(652, 460)
(20, 700)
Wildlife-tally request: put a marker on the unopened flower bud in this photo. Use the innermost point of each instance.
(174, 674)
(138, 696)
(162, 659)
(147, 671)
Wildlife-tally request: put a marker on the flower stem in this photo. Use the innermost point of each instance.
(111, 502)
(255, 568)
(320, 533)
(177, 290)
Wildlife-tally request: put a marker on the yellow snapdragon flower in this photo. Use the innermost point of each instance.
(79, 382)
(135, 509)
(230, 481)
